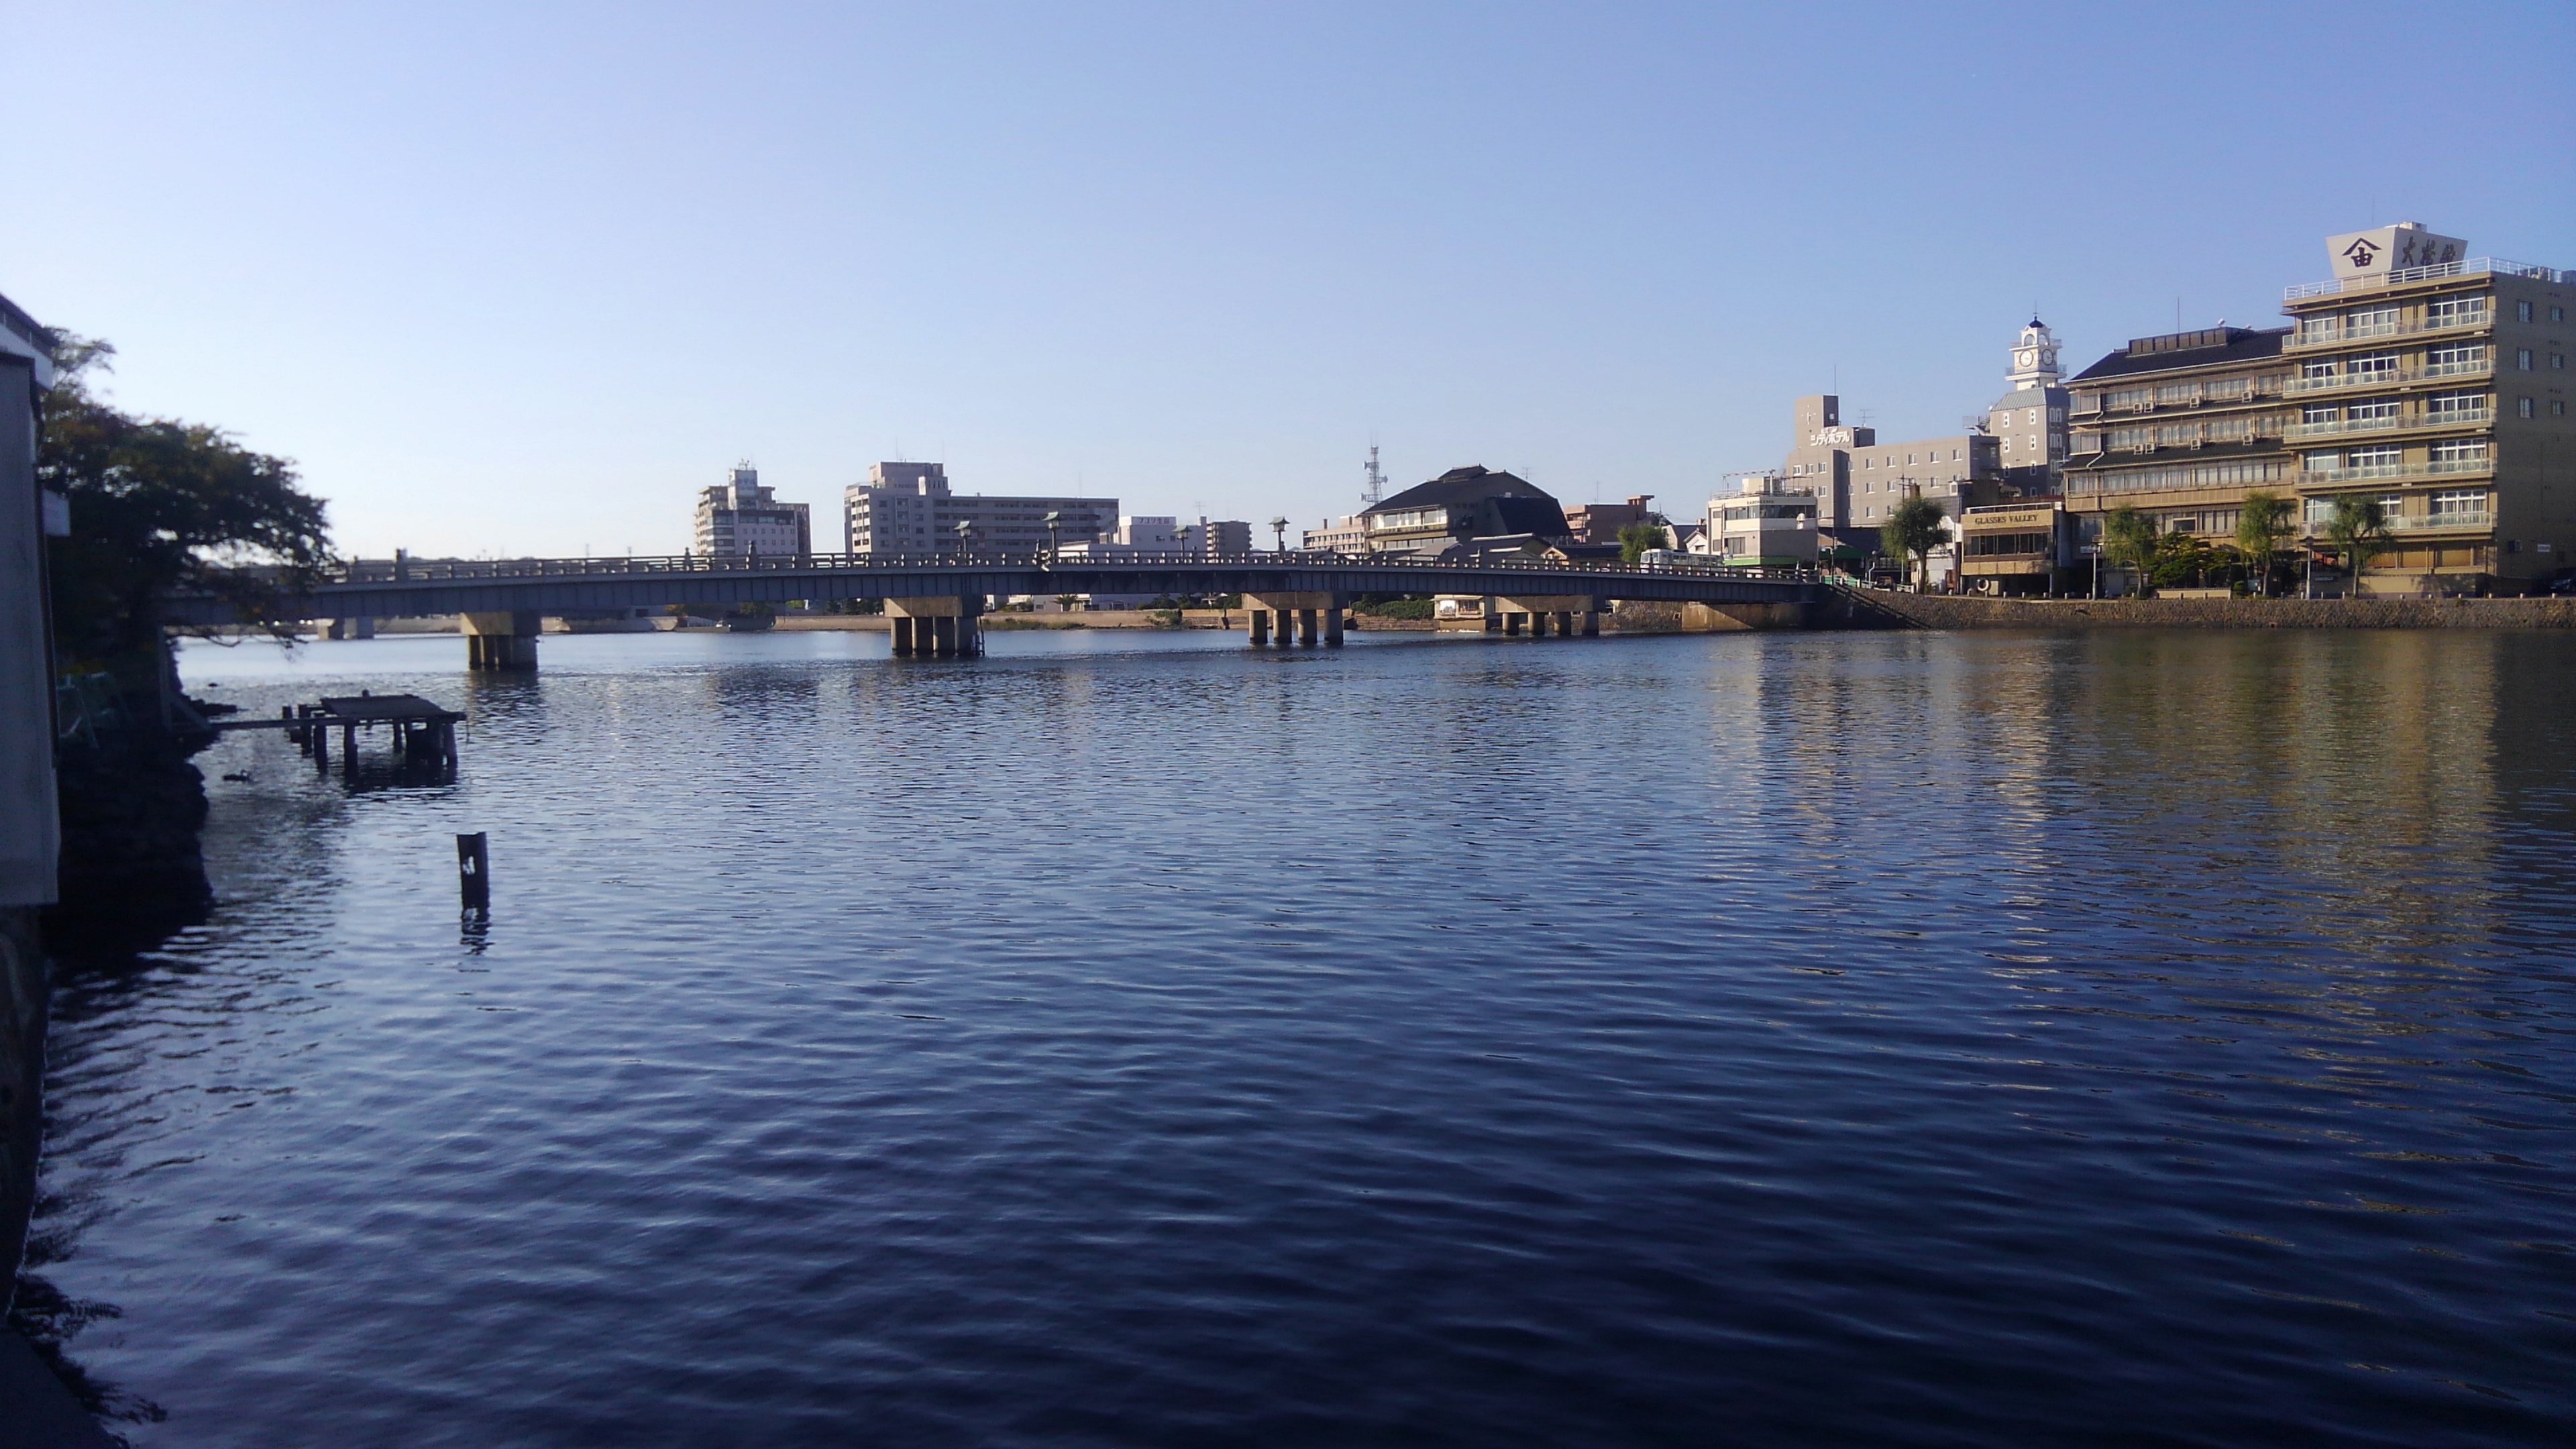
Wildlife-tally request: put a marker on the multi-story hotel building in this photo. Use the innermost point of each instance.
(906, 508)
(2181, 427)
(2437, 384)
(2433, 382)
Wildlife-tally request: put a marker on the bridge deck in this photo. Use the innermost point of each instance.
(400, 588)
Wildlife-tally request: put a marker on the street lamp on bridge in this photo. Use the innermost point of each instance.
(1279, 531)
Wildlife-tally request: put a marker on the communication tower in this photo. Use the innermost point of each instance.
(1376, 489)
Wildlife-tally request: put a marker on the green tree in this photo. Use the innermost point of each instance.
(2129, 541)
(2262, 526)
(2357, 530)
(1913, 529)
(158, 507)
(1636, 538)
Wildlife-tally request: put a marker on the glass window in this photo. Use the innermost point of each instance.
(2372, 322)
(2456, 312)
(2171, 392)
(2378, 407)
(2132, 397)
(2321, 462)
(2454, 502)
(2557, 314)
(2316, 369)
(2392, 506)
(2460, 450)
(2459, 356)
(2320, 329)
(2522, 358)
(2371, 364)
(2385, 455)
(2522, 311)
(2453, 404)
(2523, 406)
(2321, 413)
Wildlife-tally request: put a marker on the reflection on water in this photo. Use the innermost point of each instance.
(1766, 1039)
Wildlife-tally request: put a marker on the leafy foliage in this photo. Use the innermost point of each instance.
(1913, 529)
(1636, 538)
(160, 507)
(2262, 527)
(2358, 532)
(2129, 541)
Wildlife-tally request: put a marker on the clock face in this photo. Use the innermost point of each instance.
(2025, 359)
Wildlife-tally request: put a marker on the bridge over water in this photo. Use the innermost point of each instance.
(935, 600)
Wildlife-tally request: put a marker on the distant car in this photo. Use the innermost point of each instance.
(2562, 583)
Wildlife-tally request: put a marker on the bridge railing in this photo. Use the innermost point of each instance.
(402, 571)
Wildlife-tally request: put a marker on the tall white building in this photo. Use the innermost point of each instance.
(739, 517)
(906, 508)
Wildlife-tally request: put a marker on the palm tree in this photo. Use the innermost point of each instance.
(1913, 529)
(2358, 532)
(2262, 523)
(2129, 540)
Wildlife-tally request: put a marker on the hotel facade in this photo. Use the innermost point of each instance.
(2430, 381)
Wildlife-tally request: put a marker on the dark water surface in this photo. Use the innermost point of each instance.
(1135, 1040)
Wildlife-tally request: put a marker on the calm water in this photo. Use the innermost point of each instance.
(1135, 1040)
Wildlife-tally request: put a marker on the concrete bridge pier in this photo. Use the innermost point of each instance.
(1306, 618)
(1542, 611)
(363, 627)
(503, 641)
(937, 626)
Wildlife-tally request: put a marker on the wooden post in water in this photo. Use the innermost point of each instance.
(474, 871)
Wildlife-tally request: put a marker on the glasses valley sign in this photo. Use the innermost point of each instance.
(2382, 250)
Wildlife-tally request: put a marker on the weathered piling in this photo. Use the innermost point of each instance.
(474, 871)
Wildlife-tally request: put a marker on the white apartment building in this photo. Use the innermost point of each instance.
(1763, 523)
(906, 508)
(738, 517)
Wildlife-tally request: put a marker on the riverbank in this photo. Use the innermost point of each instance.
(1940, 611)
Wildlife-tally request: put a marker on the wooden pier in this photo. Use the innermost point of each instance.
(424, 733)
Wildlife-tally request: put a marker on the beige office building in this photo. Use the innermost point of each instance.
(906, 508)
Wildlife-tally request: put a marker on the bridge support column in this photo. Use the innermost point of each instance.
(1512, 623)
(358, 628)
(938, 626)
(502, 641)
(1296, 615)
(1260, 627)
(1332, 628)
(1592, 623)
(1543, 610)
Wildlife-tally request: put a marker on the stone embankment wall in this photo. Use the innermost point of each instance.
(1937, 611)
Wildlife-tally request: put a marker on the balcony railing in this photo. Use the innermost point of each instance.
(2309, 342)
(2343, 427)
(2393, 377)
(2388, 472)
(2433, 273)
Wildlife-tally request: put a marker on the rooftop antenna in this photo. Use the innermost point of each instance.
(1376, 489)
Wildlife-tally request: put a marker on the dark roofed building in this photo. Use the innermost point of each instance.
(1474, 502)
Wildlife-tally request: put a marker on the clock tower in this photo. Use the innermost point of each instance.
(2034, 359)
(2029, 421)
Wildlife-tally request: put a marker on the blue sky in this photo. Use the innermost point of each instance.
(521, 277)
